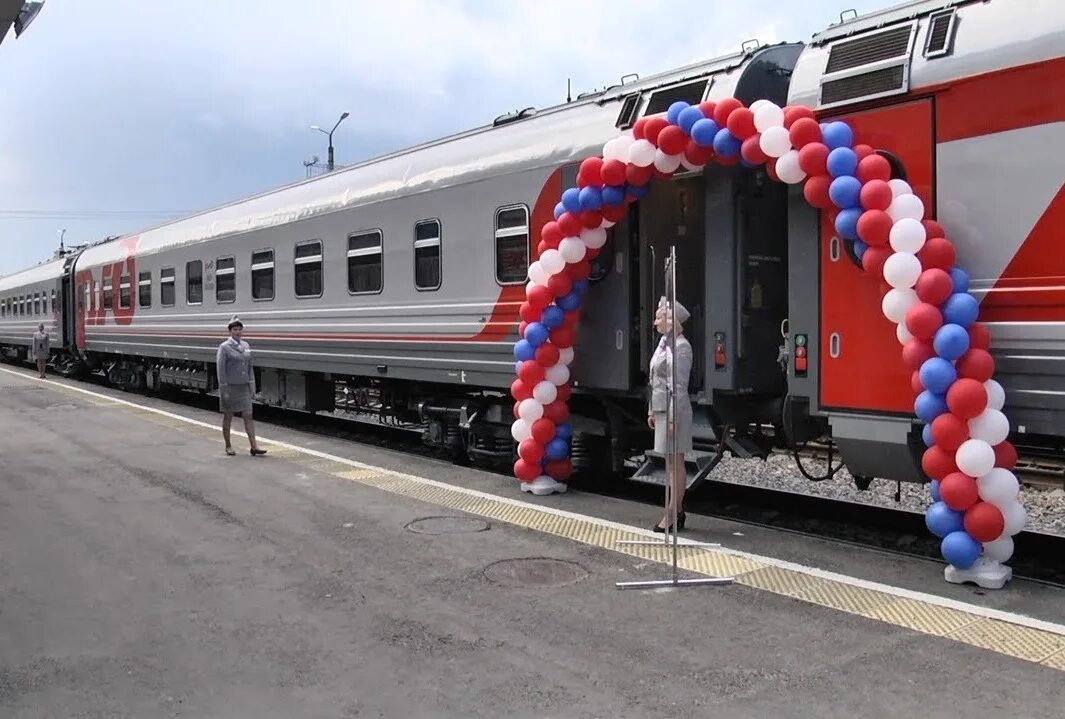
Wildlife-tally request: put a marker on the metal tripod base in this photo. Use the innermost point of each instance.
(659, 583)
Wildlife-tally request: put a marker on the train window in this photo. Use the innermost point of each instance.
(54, 309)
(225, 280)
(108, 289)
(262, 275)
(194, 282)
(144, 289)
(365, 262)
(124, 297)
(512, 244)
(167, 294)
(36, 307)
(427, 255)
(309, 269)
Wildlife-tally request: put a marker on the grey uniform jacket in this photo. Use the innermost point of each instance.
(233, 364)
(660, 379)
(41, 345)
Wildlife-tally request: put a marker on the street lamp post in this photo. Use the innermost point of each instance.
(343, 116)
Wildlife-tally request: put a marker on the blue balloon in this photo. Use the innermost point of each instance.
(673, 113)
(580, 286)
(704, 131)
(560, 210)
(937, 375)
(959, 549)
(536, 334)
(960, 278)
(591, 198)
(748, 165)
(563, 431)
(845, 192)
(552, 317)
(523, 350)
(571, 200)
(725, 144)
(860, 248)
(614, 195)
(926, 435)
(569, 302)
(847, 223)
(961, 308)
(557, 449)
(837, 134)
(941, 520)
(842, 162)
(637, 191)
(951, 341)
(927, 406)
(688, 117)
(933, 489)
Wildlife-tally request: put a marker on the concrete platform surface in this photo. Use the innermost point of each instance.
(145, 574)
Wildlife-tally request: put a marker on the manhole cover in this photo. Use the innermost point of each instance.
(447, 525)
(535, 572)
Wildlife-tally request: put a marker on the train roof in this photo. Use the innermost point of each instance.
(881, 18)
(50, 270)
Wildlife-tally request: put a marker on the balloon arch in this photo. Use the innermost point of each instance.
(975, 505)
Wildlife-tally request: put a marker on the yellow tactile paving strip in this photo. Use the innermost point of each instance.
(1039, 646)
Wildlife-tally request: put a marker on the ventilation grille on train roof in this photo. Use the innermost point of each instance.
(940, 33)
(690, 92)
(868, 67)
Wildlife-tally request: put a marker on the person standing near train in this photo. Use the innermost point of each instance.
(667, 323)
(236, 385)
(42, 348)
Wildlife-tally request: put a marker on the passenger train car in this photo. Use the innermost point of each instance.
(401, 277)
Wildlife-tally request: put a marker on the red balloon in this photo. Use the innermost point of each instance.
(863, 151)
(751, 151)
(519, 390)
(570, 224)
(547, 355)
(579, 270)
(934, 286)
(559, 470)
(728, 160)
(813, 159)
(771, 170)
(526, 471)
(916, 352)
(949, 431)
(564, 393)
(521, 328)
(551, 233)
(563, 337)
(530, 372)
(976, 364)
(639, 175)
(541, 248)
(794, 113)
(637, 128)
(591, 253)
(816, 191)
(984, 521)
(543, 430)
(539, 297)
(923, 319)
(615, 213)
(959, 491)
(874, 258)
(967, 398)
(979, 336)
(514, 410)
(937, 462)
(697, 155)
(724, 108)
(915, 383)
(672, 140)
(875, 195)
(660, 175)
(591, 219)
(707, 107)
(569, 319)
(654, 126)
(557, 412)
(933, 229)
(559, 285)
(937, 252)
(613, 172)
(1005, 455)
(592, 169)
(874, 227)
(804, 131)
(529, 313)
(874, 167)
(741, 123)
(531, 451)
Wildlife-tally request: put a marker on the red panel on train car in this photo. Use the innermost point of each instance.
(868, 373)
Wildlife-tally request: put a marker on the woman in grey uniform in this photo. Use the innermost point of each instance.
(661, 360)
(236, 385)
(41, 350)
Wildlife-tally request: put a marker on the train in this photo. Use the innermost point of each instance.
(400, 278)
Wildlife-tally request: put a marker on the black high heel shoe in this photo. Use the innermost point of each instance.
(680, 524)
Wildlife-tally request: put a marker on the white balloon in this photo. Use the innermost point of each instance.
(1015, 517)
(552, 262)
(545, 392)
(622, 144)
(538, 274)
(999, 550)
(996, 396)
(642, 153)
(520, 430)
(757, 104)
(897, 302)
(572, 249)
(767, 116)
(975, 457)
(594, 239)
(775, 141)
(610, 149)
(530, 410)
(565, 355)
(788, 169)
(557, 374)
(905, 206)
(907, 235)
(666, 163)
(902, 333)
(900, 187)
(999, 487)
(991, 426)
(689, 166)
(902, 270)
(607, 224)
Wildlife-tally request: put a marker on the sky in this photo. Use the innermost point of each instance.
(115, 116)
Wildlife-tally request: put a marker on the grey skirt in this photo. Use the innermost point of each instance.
(235, 398)
(684, 431)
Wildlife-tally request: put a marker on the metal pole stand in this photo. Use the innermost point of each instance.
(671, 467)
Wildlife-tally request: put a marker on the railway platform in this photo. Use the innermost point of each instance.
(144, 573)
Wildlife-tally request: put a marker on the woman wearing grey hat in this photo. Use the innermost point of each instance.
(667, 322)
(236, 385)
